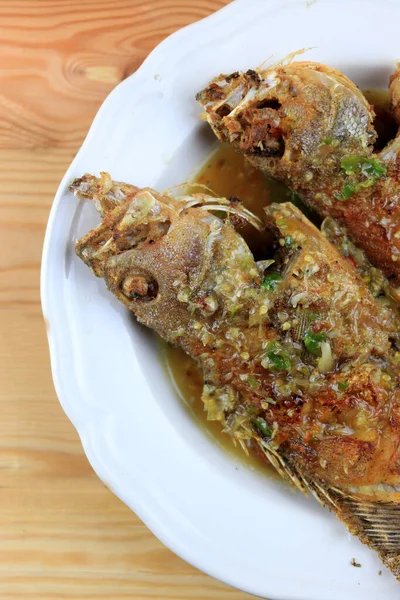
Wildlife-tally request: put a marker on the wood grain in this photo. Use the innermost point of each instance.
(62, 532)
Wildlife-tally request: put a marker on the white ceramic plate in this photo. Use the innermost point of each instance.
(226, 520)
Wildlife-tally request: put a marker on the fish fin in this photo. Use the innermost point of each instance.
(283, 62)
(291, 473)
(375, 523)
(285, 470)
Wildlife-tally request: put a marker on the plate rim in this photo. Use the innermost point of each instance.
(51, 317)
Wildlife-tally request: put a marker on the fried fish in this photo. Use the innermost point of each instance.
(296, 353)
(309, 126)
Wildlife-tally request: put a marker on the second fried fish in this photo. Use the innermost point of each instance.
(309, 126)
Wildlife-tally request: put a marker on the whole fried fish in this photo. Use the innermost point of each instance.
(296, 353)
(309, 126)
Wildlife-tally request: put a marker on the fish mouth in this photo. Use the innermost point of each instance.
(287, 112)
(133, 218)
(244, 109)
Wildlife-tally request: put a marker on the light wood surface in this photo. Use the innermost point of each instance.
(62, 532)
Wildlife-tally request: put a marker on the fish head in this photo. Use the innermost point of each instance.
(167, 259)
(190, 276)
(300, 114)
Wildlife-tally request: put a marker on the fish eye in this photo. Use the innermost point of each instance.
(140, 286)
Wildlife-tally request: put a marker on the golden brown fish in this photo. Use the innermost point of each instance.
(309, 126)
(296, 353)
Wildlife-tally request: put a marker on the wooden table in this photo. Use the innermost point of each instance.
(62, 532)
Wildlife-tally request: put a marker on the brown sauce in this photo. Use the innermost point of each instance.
(188, 383)
(227, 174)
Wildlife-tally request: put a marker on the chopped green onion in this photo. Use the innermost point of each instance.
(281, 362)
(365, 184)
(343, 385)
(288, 240)
(312, 341)
(262, 426)
(252, 381)
(276, 357)
(347, 191)
(328, 141)
(271, 280)
(367, 166)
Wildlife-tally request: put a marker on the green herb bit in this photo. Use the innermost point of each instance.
(276, 357)
(370, 168)
(281, 362)
(312, 341)
(328, 141)
(288, 240)
(347, 191)
(343, 385)
(367, 166)
(251, 410)
(252, 381)
(262, 426)
(270, 281)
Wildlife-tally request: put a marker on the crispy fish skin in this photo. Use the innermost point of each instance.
(296, 356)
(306, 124)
